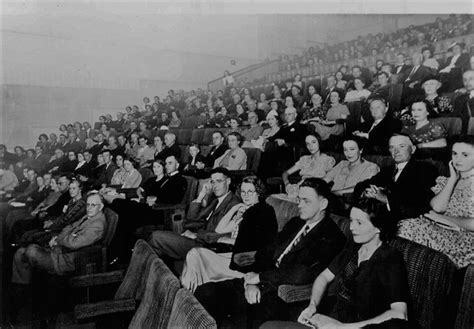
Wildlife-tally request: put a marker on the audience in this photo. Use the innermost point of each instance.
(304, 248)
(229, 245)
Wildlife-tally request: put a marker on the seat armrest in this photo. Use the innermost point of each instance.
(164, 206)
(97, 279)
(87, 311)
(291, 293)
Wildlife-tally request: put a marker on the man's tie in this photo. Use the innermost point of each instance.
(412, 73)
(293, 244)
(213, 206)
(396, 173)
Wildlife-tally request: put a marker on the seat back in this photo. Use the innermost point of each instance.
(112, 219)
(134, 282)
(465, 316)
(452, 125)
(430, 274)
(191, 189)
(155, 308)
(197, 136)
(253, 158)
(470, 127)
(284, 210)
(188, 313)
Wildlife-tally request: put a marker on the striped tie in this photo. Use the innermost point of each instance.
(293, 244)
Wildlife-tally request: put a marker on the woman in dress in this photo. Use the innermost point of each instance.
(335, 117)
(132, 177)
(449, 227)
(175, 121)
(316, 164)
(347, 173)
(235, 157)
(120, 173)
(429, 60)
(360, 94)
(247, 227)
(315, 112)
(425, 133)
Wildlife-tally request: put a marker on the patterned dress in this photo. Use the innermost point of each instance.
(457, 245)
(315, 167)
(428, 133)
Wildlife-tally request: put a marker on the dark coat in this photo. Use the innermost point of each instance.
(306, 260)
(214, 153)
(169, 151)
(380, 135)
(411, 194)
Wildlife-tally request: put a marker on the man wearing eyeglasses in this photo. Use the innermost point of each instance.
(57, 257)
(201, 220)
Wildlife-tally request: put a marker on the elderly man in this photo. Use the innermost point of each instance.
(57, 257)
(377, 132)
(404, 187)
(201, 220)
(304, 248)
(171, 148)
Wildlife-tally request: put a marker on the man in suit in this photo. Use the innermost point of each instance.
(88, 131)
(455, 66)
(201, 220)
(331, 84)
(171, 148)
(401, 69)
(464, 104)
(218, 149)
(41, 160)
(304, 248)
(107, 172)
(405, 186)
(412, 81)
(57, 257)
(378, 131)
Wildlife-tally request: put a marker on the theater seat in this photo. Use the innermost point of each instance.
(188, 313)
(197, 136)
(130, 291)
(155, 308)
(452, 125)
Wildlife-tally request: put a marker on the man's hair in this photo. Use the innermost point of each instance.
(221, 170)
(321, 188)
(95, 193)
(402, 135)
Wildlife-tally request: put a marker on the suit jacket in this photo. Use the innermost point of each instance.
(106, 175)
(196, 218)
(81, 233)
(420, 74)
(411, 194)
(214, 153)
(75, 211)
(308, 258)
(404, 71)
(462, 63)
(168, 151)
(464, 109)
(40, 162)
(380, 135)
(172, 190)
(293, 135)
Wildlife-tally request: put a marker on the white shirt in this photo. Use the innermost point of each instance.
(400, 166)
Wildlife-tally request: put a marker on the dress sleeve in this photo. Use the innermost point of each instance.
(333, 172)
(344, 110)
(440, 183)
(371, 170)
(299, 164)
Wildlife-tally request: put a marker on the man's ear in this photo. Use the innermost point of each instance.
(324, 203)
